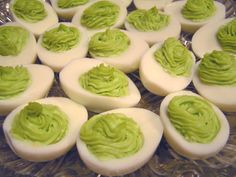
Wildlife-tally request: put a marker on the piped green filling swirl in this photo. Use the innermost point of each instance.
(218, 68)
(42, 124)
(108, 43)
(226, 36)
(100, 15)
(29, 10)
(64, 4)
(13, 81)
(198, 10)
(12, 40)
(105, 80)
(174, 58)
(194, 118)
(112, 136)
(148, 20)
(61, 39)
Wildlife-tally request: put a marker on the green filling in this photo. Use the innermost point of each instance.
(198, 10)
(29, 10)
(60, 39)
(105, 80)
(40, 123)
(100, 15)
(112, 136)
(174, 58)
(148, 20)
(218, 68)
(194, 118)
(64, 4)
(12, 40)
(226, 36)
(108, 43)
(13, 81)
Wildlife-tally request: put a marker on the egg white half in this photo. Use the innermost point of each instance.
(148, 4)
(69, 79)
(127, 2)
(174, 9)
(57, 60)
(41, 82)
(156, 79)
(188, 149)
(152, 129)
(77, 115)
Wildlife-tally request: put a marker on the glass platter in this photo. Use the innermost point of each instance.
(165, 162)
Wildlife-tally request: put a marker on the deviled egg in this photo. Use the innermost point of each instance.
(21, 84)
(98, 86)
(127, 2)
(119, 141)
(194, 14)
(44, 129)
(167, 67)
(118, 48)
(193, 127)
(35, 15)
(148, 4)
(17, 45)
(60, 44)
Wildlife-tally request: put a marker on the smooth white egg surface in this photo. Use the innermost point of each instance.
(205, 40)
(147, 4)
(127, 2)
(58, 59)
(41, 79)
(151, 129)
(28, 53)
(176, 140)
(32, 151)
(175, 8)
(156, 79)
(40, 26)
(69, 80)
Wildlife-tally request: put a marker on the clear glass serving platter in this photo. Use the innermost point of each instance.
(164, 163)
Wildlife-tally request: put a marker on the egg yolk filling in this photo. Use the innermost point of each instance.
(148, 20)
(105, 81)
(13, 81)
(218, 68)
(12, 40)
(100, 15)
(64, 4)
(29, 10)
(174, 58)
(109, 43)
(41, 124)
(194, 118)
(112, 136)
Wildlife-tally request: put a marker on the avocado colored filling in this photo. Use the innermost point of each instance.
(64, 4)
(112, 136)
(12, 40)
(29, 10)
(61, 39)
(218, 68)
(40, 123)
(100, 15)
(13, 81)
(174, 58)
(226, 36)
(198, 10)
(109, 43)
(194, 118)
(105, 80)
(148, 20)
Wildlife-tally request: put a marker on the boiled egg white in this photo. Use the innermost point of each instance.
(27, 55)
(174, 9)
(152, 130)
(127, 2)
(57, 60)
(193, 150)
(69, 80)
(76, 114)
(41, 81)
(147, 4)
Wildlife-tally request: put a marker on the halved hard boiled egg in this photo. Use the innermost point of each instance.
(147, 4)
(127, 2)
